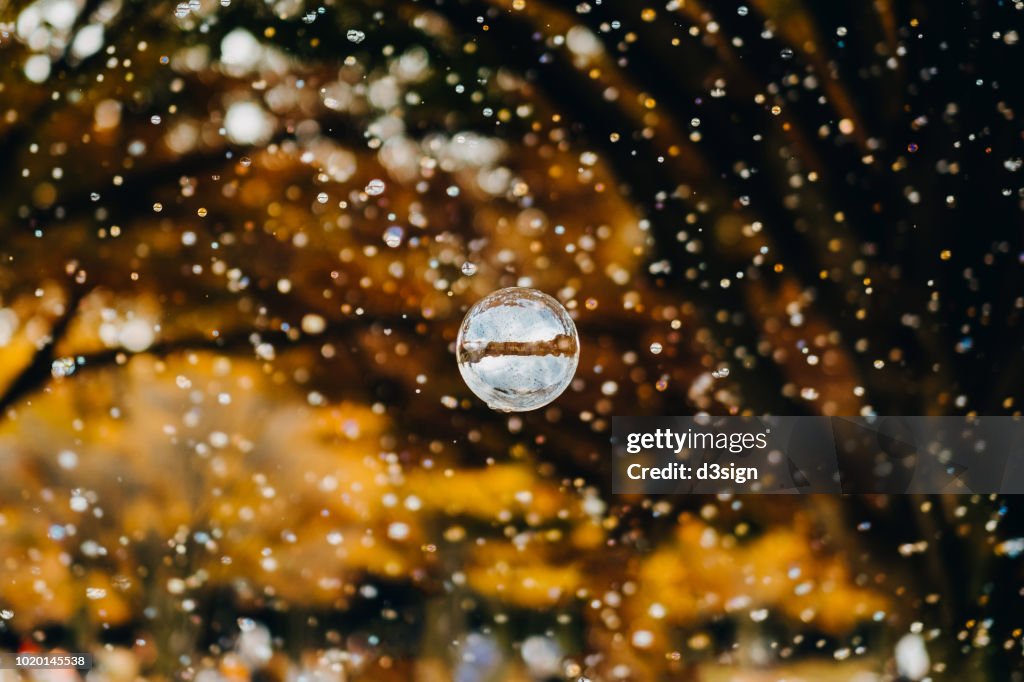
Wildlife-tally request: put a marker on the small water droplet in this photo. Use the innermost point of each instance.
(393, 236)
(375, 187)
(63, 367)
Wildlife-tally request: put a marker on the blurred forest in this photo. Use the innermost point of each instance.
(237, 239)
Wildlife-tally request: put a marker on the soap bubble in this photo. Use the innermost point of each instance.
(517, 349)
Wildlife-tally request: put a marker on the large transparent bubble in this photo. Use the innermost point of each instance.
(517, 349)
